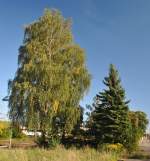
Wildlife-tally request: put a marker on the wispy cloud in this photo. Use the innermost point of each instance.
(93, 12)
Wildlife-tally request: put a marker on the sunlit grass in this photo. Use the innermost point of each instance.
(58, 154)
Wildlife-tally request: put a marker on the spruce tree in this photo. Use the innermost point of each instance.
(51, 77)
(110, 122)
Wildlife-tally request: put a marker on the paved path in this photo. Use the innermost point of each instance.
(136, 160)
(146, 149)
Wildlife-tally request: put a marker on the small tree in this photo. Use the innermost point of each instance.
(142, 121)
(110, 122)
(51, 77)
(139, 124)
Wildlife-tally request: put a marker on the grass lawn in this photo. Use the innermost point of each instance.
(58, 154)
(23, 142)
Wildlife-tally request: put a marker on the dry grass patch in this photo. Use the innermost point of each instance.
(58, 154)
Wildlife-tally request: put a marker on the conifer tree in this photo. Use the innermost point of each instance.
(51, 77)
(110, 122)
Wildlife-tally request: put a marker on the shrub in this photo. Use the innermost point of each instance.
(4, 129)
(5, 133)
(117, 148)
(53, 142)
(17, 133)
(50, 142)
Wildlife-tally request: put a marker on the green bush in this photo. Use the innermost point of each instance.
(5, 133)
(117, 148)
(53, 142)
(17, 133)
(4, 129)
(50, 142)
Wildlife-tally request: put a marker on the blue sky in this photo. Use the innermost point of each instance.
(115, 32)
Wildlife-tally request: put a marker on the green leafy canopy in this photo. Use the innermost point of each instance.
(52, 76)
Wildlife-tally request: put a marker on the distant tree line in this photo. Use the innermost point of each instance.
(50, 81)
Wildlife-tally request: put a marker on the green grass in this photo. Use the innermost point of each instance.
(58, 154)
